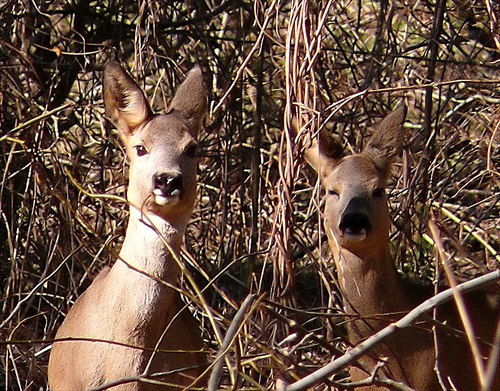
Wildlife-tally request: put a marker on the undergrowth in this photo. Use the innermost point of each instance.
(256, 227)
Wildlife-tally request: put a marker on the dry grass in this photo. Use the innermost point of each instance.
(256, 227)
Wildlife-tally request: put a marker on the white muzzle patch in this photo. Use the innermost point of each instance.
(162, 200)
(354, 236)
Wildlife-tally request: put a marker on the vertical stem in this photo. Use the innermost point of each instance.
(428, 135)
(255, 162)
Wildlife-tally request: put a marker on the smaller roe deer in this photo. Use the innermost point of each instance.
(131, 322)
(357, 223)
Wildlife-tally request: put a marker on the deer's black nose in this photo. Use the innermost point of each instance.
(355, 218)
(167, 184)
(355, 223)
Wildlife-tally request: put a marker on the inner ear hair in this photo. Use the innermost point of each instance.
(124, 100)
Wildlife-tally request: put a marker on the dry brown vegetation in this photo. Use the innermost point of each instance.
(256, 228)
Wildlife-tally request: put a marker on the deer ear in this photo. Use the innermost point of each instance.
(190, 100)
(387, 141)
(325, 153)
(124, 101)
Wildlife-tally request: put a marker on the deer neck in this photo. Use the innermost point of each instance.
(141, 280)
(151, 246)
(370, 282)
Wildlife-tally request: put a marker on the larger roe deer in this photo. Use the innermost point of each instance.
(357, 223)
(132, 318)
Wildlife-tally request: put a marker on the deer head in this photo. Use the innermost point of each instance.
(161, 148)
(356, 213)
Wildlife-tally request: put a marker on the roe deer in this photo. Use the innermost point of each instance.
(132, 318)
(357, 223)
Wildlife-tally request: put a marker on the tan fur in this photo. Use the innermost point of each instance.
(373, 291)
(128, 310)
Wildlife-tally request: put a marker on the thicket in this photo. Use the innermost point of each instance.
(256, 227)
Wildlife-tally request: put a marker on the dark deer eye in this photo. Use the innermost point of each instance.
(332, 193)
(192, 150)
(378, 193)
(140, 150)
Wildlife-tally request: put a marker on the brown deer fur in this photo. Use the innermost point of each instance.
(132, 309)
(357, 223)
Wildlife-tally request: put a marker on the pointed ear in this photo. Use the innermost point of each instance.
(190, 100)
(387, 140)
(124, 101)
(324, 154)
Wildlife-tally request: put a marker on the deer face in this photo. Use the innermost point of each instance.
(162, 155)
(356, 211)
(161, 148)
